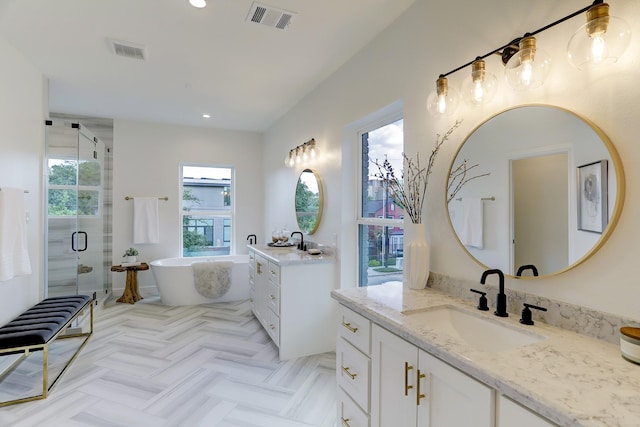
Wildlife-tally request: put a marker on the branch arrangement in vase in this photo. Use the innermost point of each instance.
(409, 190)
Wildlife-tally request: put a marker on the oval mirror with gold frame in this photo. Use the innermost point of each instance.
(308, 201)
(523, 193)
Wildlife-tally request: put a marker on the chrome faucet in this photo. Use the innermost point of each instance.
(301, 244)
(501, 300)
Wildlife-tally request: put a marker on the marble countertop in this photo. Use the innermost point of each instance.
(571, 379)
(291, 256)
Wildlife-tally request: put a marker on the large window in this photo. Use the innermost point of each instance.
(207, 210)
(380, 219)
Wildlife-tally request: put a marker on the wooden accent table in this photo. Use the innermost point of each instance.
(131, 293)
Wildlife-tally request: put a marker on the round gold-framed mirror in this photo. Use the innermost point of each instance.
(308, 201)
(520, 191)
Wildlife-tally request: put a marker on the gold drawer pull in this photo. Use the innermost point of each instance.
(349, 327)
(407, 387)
(353, 376)
(345, 422)
(259, 268)
(272, 297)
(418, 395)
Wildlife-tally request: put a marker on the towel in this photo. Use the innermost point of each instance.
(471, 228)
(213, 278)
(14, 254)
(146, 228)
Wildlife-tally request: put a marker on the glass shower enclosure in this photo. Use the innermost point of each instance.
(74, 229)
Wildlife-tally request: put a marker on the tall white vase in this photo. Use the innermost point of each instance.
(416, 256)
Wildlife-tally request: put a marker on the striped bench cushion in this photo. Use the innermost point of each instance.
(40, 323)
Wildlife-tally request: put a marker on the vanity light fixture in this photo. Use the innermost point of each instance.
(528, 68)
(198, 3)
(444, 100)
(303, 153)
(602, 40)
(479, 87)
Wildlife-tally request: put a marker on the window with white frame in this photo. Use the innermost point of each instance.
(380, 218)
(207, 210)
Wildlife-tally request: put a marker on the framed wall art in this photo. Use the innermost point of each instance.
(592, 197)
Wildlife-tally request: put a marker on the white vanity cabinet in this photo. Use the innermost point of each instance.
(292, 301)
(409, 387)
(512, 414)
(353, 368)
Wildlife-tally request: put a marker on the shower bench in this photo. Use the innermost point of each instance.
(36, 328)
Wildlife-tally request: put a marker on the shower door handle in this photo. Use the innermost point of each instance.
(73, 241)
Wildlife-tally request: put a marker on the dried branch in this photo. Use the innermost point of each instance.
(458, 178)
(410, 189)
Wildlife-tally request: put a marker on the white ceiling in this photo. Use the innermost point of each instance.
(210, 60)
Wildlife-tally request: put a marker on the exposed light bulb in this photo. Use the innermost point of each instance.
(598, 49)
(528, 68)
(480, 86)
(444, 100)
(601, 40)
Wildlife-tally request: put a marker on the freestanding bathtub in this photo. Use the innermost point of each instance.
(174, 278)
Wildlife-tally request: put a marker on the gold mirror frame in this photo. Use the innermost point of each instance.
(303, 214)
(615, 213)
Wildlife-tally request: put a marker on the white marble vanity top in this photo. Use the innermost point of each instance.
(571, 379)
(290, 255)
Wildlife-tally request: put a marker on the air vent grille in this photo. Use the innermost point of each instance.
(270, 16)
(128, 49)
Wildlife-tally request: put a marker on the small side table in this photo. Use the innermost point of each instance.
(131, 293)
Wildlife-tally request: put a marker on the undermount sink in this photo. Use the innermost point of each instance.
(480, 332)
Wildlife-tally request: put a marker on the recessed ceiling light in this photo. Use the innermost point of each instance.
(198, 3)
(206, 116)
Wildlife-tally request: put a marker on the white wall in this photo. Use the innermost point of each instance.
(402, 64)
(22, 114)
(146, 162)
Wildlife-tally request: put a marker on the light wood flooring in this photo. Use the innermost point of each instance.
(153, 365)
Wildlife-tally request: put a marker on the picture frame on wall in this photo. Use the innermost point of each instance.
(593, 211)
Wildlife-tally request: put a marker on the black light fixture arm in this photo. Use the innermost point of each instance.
(511, 48)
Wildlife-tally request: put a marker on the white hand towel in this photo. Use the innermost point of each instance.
(471, 222)
(146, 221)
(14, 254)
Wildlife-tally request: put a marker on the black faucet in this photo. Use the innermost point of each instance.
(531, 267)
(301, 243)
(252, 239)
(501, 301)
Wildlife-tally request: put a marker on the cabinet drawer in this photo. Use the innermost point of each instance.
(272, 325)
(355, 328)
(350, 414)
(353, 371)
(273, 297)
(274, 273)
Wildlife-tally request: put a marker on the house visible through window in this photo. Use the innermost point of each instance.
(380, 225)
(207, 211)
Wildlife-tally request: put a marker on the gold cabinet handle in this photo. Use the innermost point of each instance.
(418, 394)
(259, 268)
(353, 376)
(345, 422)
(407, 387)
(349, 327)
(272, 297)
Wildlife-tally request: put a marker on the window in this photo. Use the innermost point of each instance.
(380, 232)
(74, 187)
(207, 210)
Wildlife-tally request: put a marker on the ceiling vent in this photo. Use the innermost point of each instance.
(270, 16)
(128, 49)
